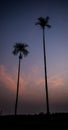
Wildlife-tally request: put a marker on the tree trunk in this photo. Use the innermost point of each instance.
(16, 103)
(46, 86)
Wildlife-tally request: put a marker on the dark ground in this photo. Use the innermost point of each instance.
(41, 121)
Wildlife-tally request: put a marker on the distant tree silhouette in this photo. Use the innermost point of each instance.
(43, 22)
(21, 49)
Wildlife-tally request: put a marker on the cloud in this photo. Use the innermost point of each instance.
(31, 90)
(58, 93)
(6, 79)
(30, 86)
(9, 80)
(56, 81)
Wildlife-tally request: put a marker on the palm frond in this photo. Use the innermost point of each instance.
(41, 19)
(43, 22)
(15, 51)
(25, 52)
(20, 48)
(47, 18)
(49, 26)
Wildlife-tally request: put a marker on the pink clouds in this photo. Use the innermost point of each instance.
(9, 80)
(58, 90)
(56, 81)
(33, 82)
(6, 78)
(31, 78)
(29, 85)
(32, 89)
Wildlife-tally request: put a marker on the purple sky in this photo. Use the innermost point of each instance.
(17, 24)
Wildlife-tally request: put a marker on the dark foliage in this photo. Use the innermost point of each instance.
(40, 121)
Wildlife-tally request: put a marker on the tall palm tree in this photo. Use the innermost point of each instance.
(43, 22)
(19, 48)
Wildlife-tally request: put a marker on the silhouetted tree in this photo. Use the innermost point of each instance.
(21, 49)
(43, 22)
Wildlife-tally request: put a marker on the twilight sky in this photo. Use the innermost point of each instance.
(17, 24)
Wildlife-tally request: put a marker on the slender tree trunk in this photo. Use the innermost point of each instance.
(46, 86)
(16, 103)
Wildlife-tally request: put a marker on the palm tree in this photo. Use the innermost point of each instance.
(43, 22)
(21, 49)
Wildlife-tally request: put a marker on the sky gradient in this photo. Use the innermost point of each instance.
(17, 24)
